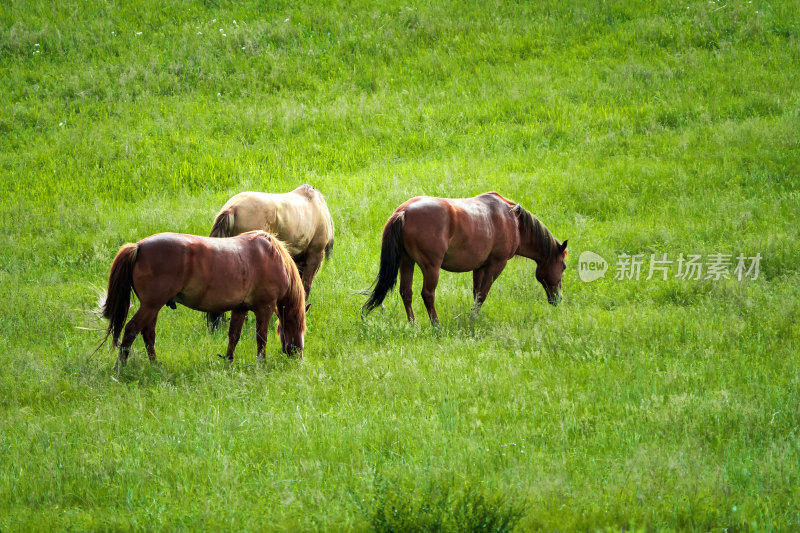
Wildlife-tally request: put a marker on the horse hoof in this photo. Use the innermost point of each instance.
(228, 359)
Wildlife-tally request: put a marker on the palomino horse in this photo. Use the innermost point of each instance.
(300, 219)
(479, 234)
(251, 272)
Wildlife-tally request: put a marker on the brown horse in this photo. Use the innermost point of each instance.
(300, 219)
(251, 272)
(479, 234)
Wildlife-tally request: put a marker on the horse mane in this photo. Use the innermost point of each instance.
(538, 232)
(294, 300)
(306, 189)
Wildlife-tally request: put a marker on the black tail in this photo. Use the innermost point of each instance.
(329, 250)
(222, 227)
(214, 320)
(223, 224)
(391, 249)
(118, 296)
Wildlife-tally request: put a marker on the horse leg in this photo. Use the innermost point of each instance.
(477, 281)
(139, 321)
(234, 332)
(300, 263)
(149, 337)
(430, 279)
(262, 329)
(491, 273)
(406, 284)
(313, 262)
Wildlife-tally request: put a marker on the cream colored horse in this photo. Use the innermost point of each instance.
(299, 219)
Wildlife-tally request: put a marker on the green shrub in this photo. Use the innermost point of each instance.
(441, 507)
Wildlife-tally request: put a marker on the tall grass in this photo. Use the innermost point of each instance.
(626, 127)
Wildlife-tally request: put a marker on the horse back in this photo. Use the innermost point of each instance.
(464, 232)
(300, 219)
(251, 211)
(209, 274)
(163, 261)
(254, 253)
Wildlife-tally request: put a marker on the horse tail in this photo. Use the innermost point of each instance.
(214, 320)
(391, 250)
(223, 224)
(118, 296)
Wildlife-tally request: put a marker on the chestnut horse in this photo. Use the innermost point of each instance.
(300, 219)
(251, 272)
(479, 234)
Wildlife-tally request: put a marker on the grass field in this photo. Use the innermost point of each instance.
(626, 127)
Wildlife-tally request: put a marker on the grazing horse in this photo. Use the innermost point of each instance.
(300, 219)
(479, 234)
(251, 272)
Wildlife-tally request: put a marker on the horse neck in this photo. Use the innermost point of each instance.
(292, 304)
(535, 241)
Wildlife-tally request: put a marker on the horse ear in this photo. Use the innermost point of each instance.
(563, 247)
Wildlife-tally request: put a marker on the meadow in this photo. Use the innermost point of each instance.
(627, 127)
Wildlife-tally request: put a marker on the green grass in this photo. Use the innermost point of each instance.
(627, 127)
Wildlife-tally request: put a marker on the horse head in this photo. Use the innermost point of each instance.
(292, 327)
(549, 272)
(292, 339)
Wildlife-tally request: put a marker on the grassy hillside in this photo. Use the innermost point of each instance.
(626, 127)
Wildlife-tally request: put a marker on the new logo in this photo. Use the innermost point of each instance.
(591, 266)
